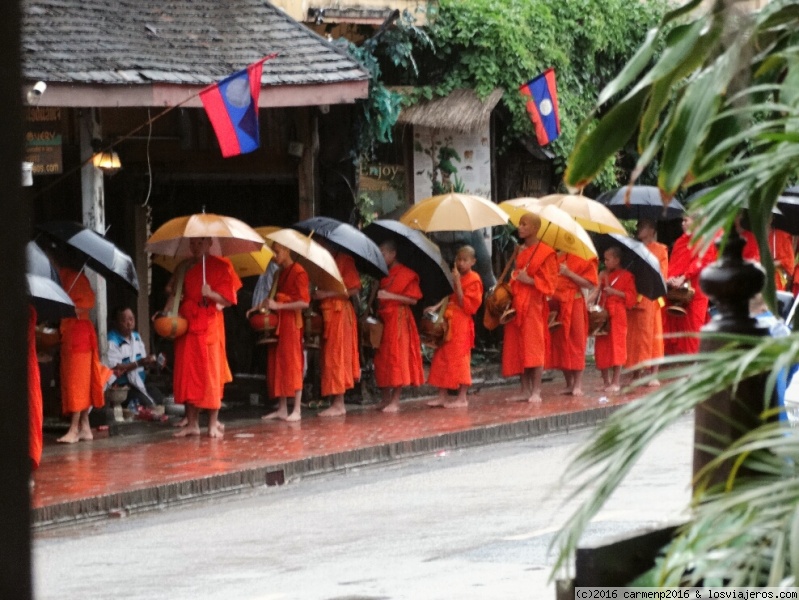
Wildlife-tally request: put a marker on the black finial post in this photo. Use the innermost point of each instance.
(730, 283)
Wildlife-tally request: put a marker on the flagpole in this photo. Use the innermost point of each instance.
(142, 126)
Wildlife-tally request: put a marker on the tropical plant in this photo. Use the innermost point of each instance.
(720, 104)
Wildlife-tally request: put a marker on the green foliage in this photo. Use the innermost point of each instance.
(486, 44)
(382, 108)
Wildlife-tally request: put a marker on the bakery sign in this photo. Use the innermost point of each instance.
(43, 140)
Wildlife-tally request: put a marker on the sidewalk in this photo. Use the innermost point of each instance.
(115, 476)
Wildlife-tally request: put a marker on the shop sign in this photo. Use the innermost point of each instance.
(43, 140)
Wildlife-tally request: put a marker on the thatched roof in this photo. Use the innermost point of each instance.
(460, 111)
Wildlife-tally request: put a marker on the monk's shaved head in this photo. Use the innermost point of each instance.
(532, 219)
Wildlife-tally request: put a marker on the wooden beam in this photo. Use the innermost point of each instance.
(165, 95)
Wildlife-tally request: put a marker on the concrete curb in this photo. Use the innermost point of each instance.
(235, 482)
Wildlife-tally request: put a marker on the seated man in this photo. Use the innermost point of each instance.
(128, 358)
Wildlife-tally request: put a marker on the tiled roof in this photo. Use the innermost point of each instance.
(194, 42)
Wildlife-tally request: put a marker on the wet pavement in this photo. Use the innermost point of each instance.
(114, 476)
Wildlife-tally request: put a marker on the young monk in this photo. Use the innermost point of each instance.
(535, 276)
(781, 245)
(644, 321)
(398, 360)
(201, 369)
(341, 363)
(35, 416)
(285, 360)
(686, 265)
(568, 341)
(451, 366)
(617, 293)
(83, 376)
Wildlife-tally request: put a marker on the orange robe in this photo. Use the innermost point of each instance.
(451, 366)
(611, 350)
(398, 361)
(568, 340)
(83, 376)
(201, 368)
(751, 250)
(644, 321)
(781, 245)
(527, 335)
(686, 261)
(35, 417)
(341, 363)
(285, 360)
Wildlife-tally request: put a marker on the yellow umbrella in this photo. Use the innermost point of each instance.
(453, 212)
(247, 264)
(592, 215)
(558, 229)
(316, 260)
(228, 236)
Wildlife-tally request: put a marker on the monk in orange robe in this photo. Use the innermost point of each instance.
(35, 417)
(686, 264)
(451, 368)
(285, 360)
(781, 245)
(398, 360)
(341, 363)
(524, 349)
(751, 250)
(617, 292)
(83, 376)
(201, 370)
(644, 321)
(569, 339)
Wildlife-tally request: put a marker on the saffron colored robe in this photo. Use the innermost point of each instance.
(781, 245)
(611, 350)
(526, 337)
(451, 366)
(35, 416)
(644, 321)
(569, 339)
(751, 250)
(686, 261)
(285, 360)
(201, 369)
(398, 360)
(341, 363)
(83, 376)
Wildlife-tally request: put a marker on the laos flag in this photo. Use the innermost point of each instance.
(542, 106)
(232, 108)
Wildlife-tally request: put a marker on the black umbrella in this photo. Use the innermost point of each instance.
(418, 253)
(645, 203)
(50, 300)
(37, 263)
(347, 239)
(92, 249)
(638, 260)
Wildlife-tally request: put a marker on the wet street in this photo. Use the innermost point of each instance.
(469, 524)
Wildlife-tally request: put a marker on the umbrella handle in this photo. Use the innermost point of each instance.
(74, 281)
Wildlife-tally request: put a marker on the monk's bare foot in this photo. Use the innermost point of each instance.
(70, 437)
(612, 389)
(534, 399)
(216, 432)
(457, 403)
(85, 435)
(577, 392)
(439, 401)
(294, 417)
(391, 408)
(280, 415)
(187, 431)
(654, 383)
(182, 423)
(333, 411)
